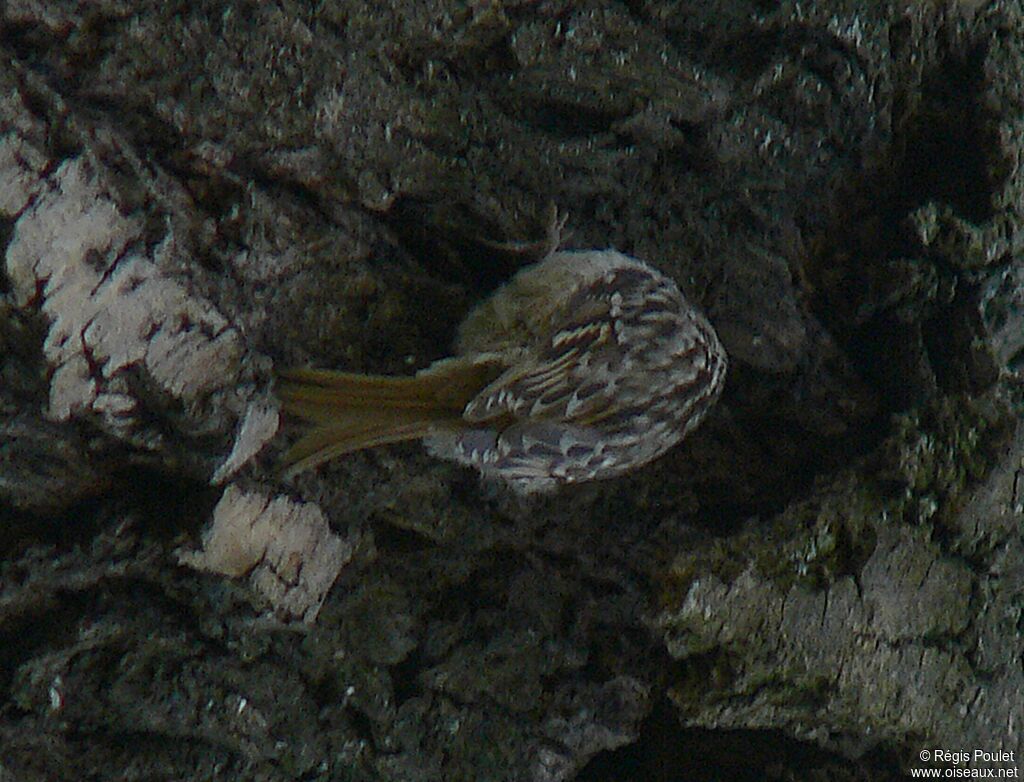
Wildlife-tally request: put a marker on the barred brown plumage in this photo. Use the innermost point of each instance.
(585, 365)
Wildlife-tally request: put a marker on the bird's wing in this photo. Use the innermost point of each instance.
(570, 376)
(624, 336)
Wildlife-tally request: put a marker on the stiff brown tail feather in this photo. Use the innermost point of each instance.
(351, 411)
(326, 442)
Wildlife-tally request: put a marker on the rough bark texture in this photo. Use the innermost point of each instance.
(824, 580)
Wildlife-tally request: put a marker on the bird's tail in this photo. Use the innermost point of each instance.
(350, 411)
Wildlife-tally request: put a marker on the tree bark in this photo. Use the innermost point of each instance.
(826, 580)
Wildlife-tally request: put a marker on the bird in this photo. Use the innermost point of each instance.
(583, 366)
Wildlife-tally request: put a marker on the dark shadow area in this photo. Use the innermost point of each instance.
(667, 752)
(946, 141)
(454, 242)
(161, 506)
